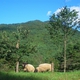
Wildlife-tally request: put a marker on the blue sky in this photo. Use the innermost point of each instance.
(17, 11)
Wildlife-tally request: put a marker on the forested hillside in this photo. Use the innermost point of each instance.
(30, 42)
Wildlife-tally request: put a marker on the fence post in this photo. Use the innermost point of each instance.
(52, 67)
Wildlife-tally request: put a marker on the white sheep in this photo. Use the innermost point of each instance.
(44, 67)
(29, 68)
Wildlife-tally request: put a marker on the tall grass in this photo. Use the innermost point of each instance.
(40, 76)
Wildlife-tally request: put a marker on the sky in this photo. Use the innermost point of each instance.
(19, 11)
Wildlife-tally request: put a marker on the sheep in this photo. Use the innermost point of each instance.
(29, 68)
(44, 67)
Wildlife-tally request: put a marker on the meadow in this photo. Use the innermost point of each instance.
(75, 75)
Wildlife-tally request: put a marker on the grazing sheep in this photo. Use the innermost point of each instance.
(29, 68)
(43, 67)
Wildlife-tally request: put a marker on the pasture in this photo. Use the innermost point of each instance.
(75, 75)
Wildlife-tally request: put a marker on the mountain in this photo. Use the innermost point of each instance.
(38, 34)
(47, 49)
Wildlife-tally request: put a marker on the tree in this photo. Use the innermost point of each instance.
(64, 24)
(73, 60)
(20, 35)
(14, 46)
(23, 46)
(4, 44)
(5, 49)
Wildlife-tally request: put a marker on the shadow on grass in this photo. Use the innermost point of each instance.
(16, 76)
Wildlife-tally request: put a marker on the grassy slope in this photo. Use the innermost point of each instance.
(40, 76)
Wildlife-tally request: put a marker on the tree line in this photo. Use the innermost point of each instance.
(35, 42)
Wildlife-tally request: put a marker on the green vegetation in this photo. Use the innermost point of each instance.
(62, 25)
(40, 76)
(38, 42)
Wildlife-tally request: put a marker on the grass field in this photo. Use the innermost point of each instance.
(40, 76)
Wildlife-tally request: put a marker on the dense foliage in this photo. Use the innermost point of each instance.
(35, 46)
(64, 25)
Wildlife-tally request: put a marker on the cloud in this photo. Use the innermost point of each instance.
(49, 13)
(77, 8)
(57, 11)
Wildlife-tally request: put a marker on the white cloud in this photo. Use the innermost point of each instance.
(49, 13)
(77, 8)
(57, 11)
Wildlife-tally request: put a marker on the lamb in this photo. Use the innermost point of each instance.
(44, 67)
(29, 68)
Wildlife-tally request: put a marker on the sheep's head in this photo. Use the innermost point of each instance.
(37, 69)
(23, 65)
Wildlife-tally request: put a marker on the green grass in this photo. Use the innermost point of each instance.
(40, 76)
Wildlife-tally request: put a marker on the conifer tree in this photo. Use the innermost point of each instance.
(64, 24)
